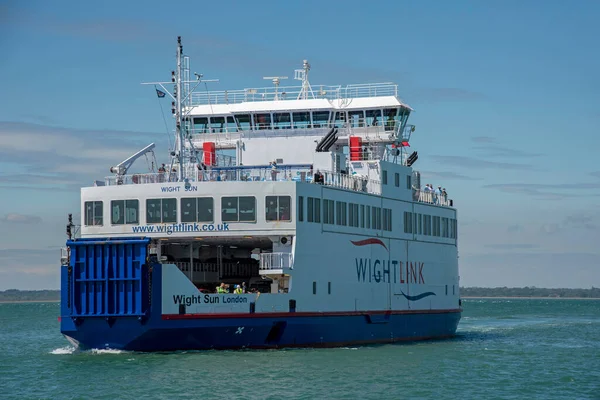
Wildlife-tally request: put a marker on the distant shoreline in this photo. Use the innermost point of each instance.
(28, 301)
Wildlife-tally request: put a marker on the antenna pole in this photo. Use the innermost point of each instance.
(178, 115)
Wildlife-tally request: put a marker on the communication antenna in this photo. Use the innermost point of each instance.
(275, 80)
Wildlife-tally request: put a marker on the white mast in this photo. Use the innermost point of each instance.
(178, 116)
(302, 75)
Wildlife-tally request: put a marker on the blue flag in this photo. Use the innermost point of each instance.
(160, 93)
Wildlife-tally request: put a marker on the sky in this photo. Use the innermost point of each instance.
(506, 97)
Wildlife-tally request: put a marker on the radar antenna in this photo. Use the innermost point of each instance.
(275, 80)
(302, 75)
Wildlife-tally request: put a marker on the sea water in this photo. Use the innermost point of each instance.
(504, 349)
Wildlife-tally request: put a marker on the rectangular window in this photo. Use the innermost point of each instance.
(408, 222)
(197, 209)
(368, 215)
(206, 206)
(161, 211)
(351, 214)
(397, 179)
(300, 208)
(331, 212)
(314, 287)
(124, 212)
(238, 209)
(277, 208)
(420, 218)
(408, 182)
(93, 213)
(362, 215)
(329, 287)
(317, 216)
(309, 210)
(384, 177)
(248, 208)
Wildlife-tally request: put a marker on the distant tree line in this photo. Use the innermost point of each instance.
(29, 295)
(529, 291)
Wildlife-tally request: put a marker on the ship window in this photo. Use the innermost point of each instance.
(373, 117)
(278, 208)
(243, 122)
(350, 214)
(384, 177)
(326, 211)
(340, 119)
(331, 212)
(356, 118)
(341, 214)
(408, 182)
(387, 219)
(310, 209)
(378, 217)
(200, 125)
(282, 121)
(420, 219)
(262, 121)
(300, 208)
(314, 287)
(397, 179)
(205, 209)
(301, 120)
(362, 215)
(368, 215)
(238, 209)
(197, 209)
(124, 212)
(317, 216)
(217, 124)
(93, 213)
(389, 116)
(329, 287)
(231, 126)
(408, 224)
(320, 118)
(161, 210)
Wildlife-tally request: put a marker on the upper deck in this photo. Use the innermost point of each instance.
(325, 96)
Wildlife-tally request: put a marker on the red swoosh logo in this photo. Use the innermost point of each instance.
(369, 241)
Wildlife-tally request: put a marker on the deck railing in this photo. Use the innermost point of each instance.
(289, 173)
(270, 261)
(292, 92)
(432, 198)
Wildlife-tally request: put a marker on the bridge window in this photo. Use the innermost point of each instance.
(278, 208)
(238, 209)
(340, 119)
(389, 114)
(124, 212)
(243, 122)
(282, 121)
(301, 120)
(161, 211)
(231, 126)
(320, 118)
(374, 118)
(262, 121)
(217, 124)
(201, 125)
(197, 209)
(93, 213)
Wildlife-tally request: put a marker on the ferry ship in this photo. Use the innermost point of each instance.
(286, 217)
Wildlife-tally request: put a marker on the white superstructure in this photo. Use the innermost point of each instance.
(301, 192)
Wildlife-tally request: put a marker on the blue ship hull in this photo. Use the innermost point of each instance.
(111, 294)
(259, 332)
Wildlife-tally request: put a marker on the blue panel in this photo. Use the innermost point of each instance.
(107, 278)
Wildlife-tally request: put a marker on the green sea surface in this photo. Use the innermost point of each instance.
(504, 349)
